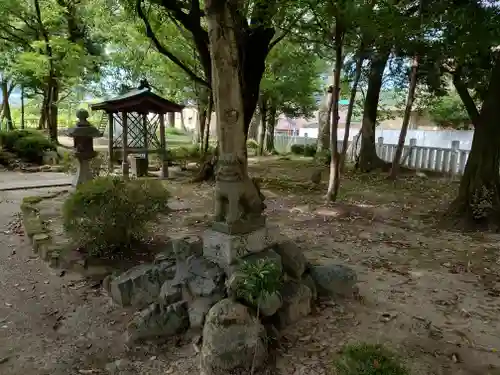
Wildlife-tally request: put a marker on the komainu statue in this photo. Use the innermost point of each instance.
(239, 203)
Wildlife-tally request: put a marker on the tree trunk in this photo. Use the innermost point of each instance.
(7, 115)
(270, 124)
(263, 126)
(53, 110)
(44, 112)
(324, 123)
(350, 108)
(183, 124)
(171, 120)
(207, 125)
(22, 108)
(478, 200)
(251, 49)
(202, 120)
(253, 130)
(334, 180)
(226, 84)
(406, 119)
(368, 158)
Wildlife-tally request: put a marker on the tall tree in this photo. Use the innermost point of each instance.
(289, 86)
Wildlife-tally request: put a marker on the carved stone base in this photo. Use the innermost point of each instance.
(241, 226)
(225, 249)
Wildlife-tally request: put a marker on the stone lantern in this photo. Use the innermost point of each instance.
(83, 135)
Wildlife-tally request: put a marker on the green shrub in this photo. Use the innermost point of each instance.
(108, 214)
(310, 150)
(297, 149)
(32, 148)
(8, 138)
(174, 131)
(366, 359)
(252, 144)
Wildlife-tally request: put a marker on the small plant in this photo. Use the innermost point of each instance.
(258, 280)
(252, 144)
(297, 149)
(367, 359)
(32, 148)
(109, 214)
(310, 150)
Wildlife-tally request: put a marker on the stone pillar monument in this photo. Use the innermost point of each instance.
(83, 135)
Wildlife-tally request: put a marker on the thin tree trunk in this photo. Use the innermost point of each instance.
(406, 119)
(183, 124)
(263, 125)
(478, 200)
(368, 158)
(22, 107)
(44, 111)
(53, 110)
(207, 125)
(334, 180)
(350, 108)
(253, 130)
(270, 124)
(171, 120)
(202, 119)
(7, 115)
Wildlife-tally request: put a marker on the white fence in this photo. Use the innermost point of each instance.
(450, 159)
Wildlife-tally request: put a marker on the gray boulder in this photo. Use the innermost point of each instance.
(198, 309)
(187, 246)
(293, 259)
(308, 281)
(159, 321)
(140, 285)
(269, 304)
(169, 293)
(334, 280)
(202, 277)
(296, 303)
(232, 340)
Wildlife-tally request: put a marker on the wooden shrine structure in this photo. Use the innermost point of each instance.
(136, 128)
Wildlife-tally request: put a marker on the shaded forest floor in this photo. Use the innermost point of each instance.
(431, 295)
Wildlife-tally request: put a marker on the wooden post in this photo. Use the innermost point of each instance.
(145, 136)
(163, 147)
(111, 137)
(125, 165)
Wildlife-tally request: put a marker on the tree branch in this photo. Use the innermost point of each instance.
(150, 33)
(285, 33)
(467, 100)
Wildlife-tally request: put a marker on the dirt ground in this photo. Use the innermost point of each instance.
(431, 295)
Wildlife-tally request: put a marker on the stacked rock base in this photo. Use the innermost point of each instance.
(193, 285)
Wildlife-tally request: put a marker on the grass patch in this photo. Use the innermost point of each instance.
(367, 359)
